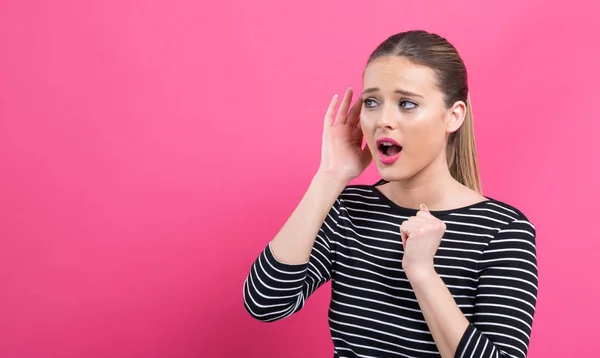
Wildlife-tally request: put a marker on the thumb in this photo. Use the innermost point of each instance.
(424, 208)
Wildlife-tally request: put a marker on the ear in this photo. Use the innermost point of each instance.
(455, 116)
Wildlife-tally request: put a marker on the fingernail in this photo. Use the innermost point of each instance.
(423, 207)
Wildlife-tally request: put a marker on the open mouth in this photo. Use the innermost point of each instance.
(388, 147)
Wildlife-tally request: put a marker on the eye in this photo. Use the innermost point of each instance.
(369, 103)
(408, 105)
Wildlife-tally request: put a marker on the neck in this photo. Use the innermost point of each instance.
(432, 186)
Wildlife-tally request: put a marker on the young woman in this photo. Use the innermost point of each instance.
(421, 264)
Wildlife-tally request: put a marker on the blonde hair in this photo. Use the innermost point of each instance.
(462, 153)
(435, 52)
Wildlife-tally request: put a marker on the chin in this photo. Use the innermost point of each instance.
(392, 172)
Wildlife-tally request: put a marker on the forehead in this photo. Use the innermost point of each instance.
(396, 72)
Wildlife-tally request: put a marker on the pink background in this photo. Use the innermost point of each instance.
(144, 147)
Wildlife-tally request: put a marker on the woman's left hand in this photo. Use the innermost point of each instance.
(421, 237)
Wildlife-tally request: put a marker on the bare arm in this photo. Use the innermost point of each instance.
(342, 159)
(294, 242)
(297, 260)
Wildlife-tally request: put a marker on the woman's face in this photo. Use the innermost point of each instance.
(403, 117)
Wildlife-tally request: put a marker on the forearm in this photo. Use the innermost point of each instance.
(445, 320)
(293, 243)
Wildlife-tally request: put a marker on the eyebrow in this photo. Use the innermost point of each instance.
(400, 91)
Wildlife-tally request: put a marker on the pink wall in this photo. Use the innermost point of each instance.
(144, 145)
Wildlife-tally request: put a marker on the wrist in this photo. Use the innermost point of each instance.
(329, 181)
(421, 275)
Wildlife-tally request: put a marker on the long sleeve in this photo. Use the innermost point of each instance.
(506, 295)
(274, 290)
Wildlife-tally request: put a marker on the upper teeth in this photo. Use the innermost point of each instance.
(387, 144)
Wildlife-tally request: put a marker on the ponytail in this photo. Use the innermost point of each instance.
(462, 154)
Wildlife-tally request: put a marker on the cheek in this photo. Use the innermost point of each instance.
(437, 137)
(425, 138)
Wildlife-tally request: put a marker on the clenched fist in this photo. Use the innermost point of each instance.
(421, 237)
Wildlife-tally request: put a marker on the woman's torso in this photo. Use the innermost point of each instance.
(373, 310)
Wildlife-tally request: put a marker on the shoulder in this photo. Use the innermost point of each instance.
(513, 211)
(360, 197)
(364, 189)
(509, 212)
(517, 226)
(357, 192)
(512, 252)
(496, 219)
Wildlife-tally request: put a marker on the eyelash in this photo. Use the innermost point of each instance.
(368, 100)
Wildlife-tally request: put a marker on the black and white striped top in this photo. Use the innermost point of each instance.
(487, 258)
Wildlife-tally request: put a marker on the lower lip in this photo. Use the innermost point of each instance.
(389, 160)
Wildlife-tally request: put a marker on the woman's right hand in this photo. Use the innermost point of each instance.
(342, 155)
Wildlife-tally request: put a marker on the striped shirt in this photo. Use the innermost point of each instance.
(487, 259)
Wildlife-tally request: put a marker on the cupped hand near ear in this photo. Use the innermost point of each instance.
(342, 155)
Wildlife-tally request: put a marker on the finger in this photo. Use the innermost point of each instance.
(408, 228)
(354, 114)
(424, 211)
(342, 113)
(415, 225)
(331, 111)
(404, 236)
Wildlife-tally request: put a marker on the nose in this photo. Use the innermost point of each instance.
(387, 119)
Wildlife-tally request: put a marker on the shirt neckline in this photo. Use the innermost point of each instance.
(401, 210)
